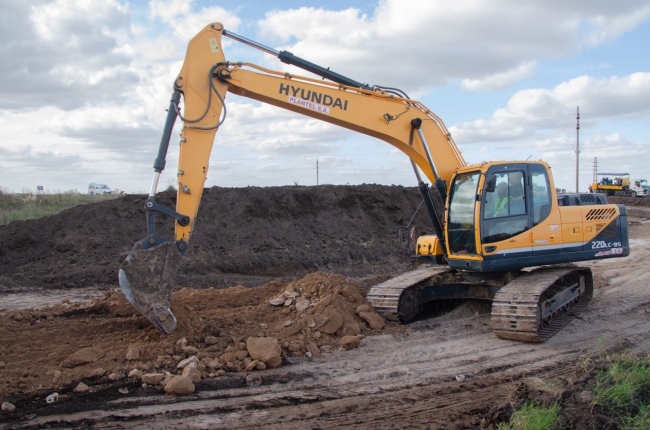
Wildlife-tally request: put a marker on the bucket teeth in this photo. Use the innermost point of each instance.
(147, 280)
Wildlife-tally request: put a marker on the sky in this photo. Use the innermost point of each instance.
(85, 86)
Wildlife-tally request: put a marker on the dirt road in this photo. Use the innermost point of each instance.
(445, 372)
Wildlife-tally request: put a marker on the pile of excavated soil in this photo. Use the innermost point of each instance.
(630, 201)
(243, 236)
(57, 347)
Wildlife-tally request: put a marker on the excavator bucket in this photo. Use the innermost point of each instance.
(147, 280)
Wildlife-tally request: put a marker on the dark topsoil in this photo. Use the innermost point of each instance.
(243, 236)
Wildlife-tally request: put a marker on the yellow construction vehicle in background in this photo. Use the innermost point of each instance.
(490, 220)
(619, 184)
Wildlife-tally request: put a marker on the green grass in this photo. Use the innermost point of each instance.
(532, 417)
(639, 422)
(623, 387)
(27, 205)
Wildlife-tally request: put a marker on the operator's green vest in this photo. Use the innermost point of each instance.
(500, 204)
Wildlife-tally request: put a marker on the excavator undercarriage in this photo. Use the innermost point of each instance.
(528, 306)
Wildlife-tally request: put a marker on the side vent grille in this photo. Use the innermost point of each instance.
(601, 214)
(600, 226)
(609, 232)
(587, 198)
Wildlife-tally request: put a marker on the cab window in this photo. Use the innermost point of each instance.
(507, 199)
(462, 201)
(505, 209)
(541, 193)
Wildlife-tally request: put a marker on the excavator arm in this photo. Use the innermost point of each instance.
(148, 273)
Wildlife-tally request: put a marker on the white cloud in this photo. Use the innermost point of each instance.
(419, 45)
(180, 15)
(529, 112)
(63, 53)
(500, 81)
(610, 24)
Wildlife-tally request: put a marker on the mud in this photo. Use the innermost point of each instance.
(445, 371)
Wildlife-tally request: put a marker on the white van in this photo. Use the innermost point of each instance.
(94, 188)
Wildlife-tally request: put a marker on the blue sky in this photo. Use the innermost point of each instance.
(86, 85)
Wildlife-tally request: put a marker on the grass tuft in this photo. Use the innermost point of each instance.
(532, 417)
(624, 388)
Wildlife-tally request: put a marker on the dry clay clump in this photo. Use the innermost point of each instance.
(310, 316)
(229, 330)
(316, 314)
(317, 311)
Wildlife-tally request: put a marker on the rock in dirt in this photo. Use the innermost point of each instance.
(95, 373)
(333, 324)
(8, 407)
(351, 293)
(351, 329)
(180, 386)
(84, 356)
(135, 373)
(363, 308)
(166, 380)
(187, 361)
(326, 301)
(252, 365)
(350, 342)
(81, 388)
(302, 304)
(192, 372)
(374, 320)
(52, 398)
(115, 376)
(133, 352)
(152, 378)
(313, 349)
(265, 349)
(210, 340)
(277, 301)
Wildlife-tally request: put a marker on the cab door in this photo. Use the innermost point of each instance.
(505, 213)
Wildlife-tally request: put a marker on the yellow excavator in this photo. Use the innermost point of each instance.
(501, 231)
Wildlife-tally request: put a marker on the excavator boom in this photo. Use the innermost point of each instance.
(148, 273)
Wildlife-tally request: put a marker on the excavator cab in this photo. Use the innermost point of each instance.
(505, 216)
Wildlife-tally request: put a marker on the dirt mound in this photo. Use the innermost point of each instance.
(55, 348)
(244, 236)
(630, 201)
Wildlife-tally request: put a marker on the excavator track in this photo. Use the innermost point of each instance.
(537, 304)
(395, 299)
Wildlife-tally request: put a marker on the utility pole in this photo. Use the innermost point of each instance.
(577, 148)
(593, 179)
(317, 171)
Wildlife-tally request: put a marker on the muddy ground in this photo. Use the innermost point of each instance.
(324, 245)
